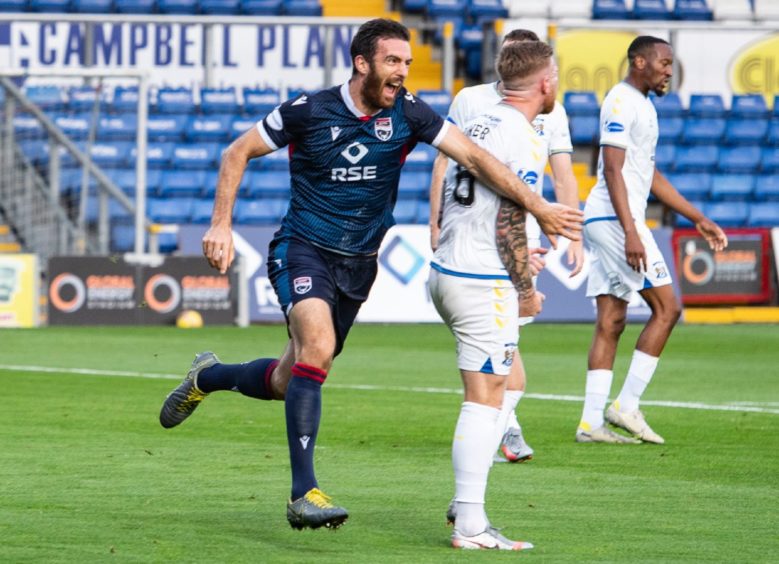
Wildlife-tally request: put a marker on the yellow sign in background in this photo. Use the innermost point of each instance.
(19, 290)
(592, 60)
(755, 69)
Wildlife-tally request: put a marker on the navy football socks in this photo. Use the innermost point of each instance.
(250, 378)
(303, 407)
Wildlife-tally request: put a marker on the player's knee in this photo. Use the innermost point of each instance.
(317, 352)
(670, 313)
(612, 326)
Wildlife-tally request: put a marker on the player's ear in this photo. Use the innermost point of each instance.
(361, 64)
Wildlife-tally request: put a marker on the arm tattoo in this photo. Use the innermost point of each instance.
(511, 240)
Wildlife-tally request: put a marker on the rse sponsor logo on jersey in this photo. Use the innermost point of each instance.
(614, 127)
(354, 153)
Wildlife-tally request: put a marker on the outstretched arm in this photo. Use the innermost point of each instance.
(436, 197)
(218, 240)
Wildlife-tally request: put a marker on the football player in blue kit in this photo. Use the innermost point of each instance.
(347, 145)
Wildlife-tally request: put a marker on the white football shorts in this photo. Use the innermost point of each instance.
(483, 317)
(610, 272)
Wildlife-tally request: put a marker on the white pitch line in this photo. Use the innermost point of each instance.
(751, 407)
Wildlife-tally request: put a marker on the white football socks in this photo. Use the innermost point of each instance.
(596, 393)
(508, 417)
(641, 370)
(472, 450)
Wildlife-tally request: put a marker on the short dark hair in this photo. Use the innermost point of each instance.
(520, 35)
(641, 45)
(365, 40)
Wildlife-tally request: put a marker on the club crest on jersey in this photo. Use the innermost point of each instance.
(302, 284)
(383, 128)
(538, 125)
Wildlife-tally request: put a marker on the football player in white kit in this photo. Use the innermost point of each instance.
(627, 258)
(555, 139)
(480, 270)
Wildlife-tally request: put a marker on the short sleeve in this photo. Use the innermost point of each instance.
(458, 110)
(560, 140)
(616, 118)
(425, 124)
(285, 123)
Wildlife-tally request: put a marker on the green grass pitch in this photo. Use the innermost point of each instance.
(88, 475)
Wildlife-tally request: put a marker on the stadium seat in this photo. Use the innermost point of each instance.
(670, 129)
(609, 10)
(135, 6)
(258, 102)
(260, 212)
(195, 156)
(414, 6)
(111, 155)
(175, 100)
(696, 10)
(732, 10)
(438, 100)
(177, 6)
(74, 126)
(305, 8)
(117, 127)
(707, 106)
(83, 99)
(125, 99)
(220, 7)
(693, 186)
(208, 128)
(684, 223)
(669, 106)
(219, 101)
(181, 183)
(269, 184)
(651, 10)
(664, 157)
(262, 7)
(421, 158)
(93, 6)
(158, 155)
(57, 6)
(772, 137)
(405, 211)
(585, 130)
(413, 185)
(570, 9)
(740, 159)
(727, 214)
(124, 178)
(547, 188)
(473, 66)
(27, 127)
(767, 187)
(48, 98)
(748, 106)
(446, 8)
(703, 130)
(746, 131)
(209, 186)
(763, 214)
(13, 5)
(423, 212)
(487, 10)
(202, 210)
(116, 211)
(458, 22)
(732, 187)
(166, 128)
(170, 210)
(769, 160)
(470, 40)
(277, 160)
(581, 104)
(122, 238)
(239, 126)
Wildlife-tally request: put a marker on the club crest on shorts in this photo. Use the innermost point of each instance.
(302, 285)
(660, 270)
(383, 128)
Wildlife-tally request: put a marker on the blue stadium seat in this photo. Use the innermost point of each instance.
(260, 212)
(458, 22)
(195, 156)
(202, 210)
(740, 159)
(269, 184)
(769, 161)
(27, 127)
(166, 127)
(305, 8)
(117, 127)
(158, 155)
(175, 100)
(170, 210)
(732, 187)
(48, 98)
(405, 211)
(220, 7)
(670, 129)
(609, 10)
(414, 6)
(664, 157)
(746, 131)
(153, 180)
(413, 185)
(13, 5)
(219, 101)
(547, 189)
(423, 212)
(122, 238)
(693, 186)
(767, 187)
(82, 99)
(651, 10)
(727, 214)
(692, 10)
(116, 211)
(277, 160)
(208, 128)
(260, 101)
(181, 183)
(124, 178)
(772, 138)
(58, 6)
(209, 188)
(239, 126)
(438, 100)
(585, 130)
(262, 7)
(669, 106)
(473, 66)
(421, 158)
(111, 155)
(470, 39)
(125, 99)
(683, 222)
(74, 126)
(763, 214)
(136, 6)
(93, 6)
(446, 8)
(487, 10)
(581, 104)
(707, 106)
(703, 130)
(177, 6)
(748, 106)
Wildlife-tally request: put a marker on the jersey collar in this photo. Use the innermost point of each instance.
(347, 98)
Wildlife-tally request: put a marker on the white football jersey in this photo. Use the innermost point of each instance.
(628, 120)
(467, 244)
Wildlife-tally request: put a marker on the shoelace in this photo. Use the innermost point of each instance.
(194, 397)
(319, 498)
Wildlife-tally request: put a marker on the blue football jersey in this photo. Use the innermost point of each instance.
(345, 166)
